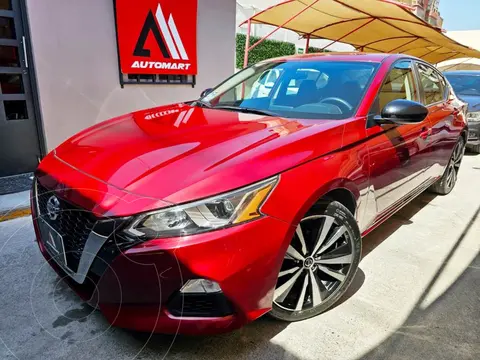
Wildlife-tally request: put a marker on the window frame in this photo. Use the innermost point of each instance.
(416, 79)
(446, 89)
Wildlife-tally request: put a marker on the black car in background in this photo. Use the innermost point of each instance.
(466, 85)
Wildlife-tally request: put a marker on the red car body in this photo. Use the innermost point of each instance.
(175, 154)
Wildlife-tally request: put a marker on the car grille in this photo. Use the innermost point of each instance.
(200, 305)
(73, 223)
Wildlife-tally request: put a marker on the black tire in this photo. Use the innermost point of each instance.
(474, 149)
(447, 182)
(340, 258)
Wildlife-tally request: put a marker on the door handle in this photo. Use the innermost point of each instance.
(425, 133)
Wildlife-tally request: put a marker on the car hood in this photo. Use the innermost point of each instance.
(473, 102)
(179, 153)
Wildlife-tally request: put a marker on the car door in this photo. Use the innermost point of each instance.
(398, 154)
(442, 113)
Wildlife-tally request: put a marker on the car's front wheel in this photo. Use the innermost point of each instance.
(320, 263)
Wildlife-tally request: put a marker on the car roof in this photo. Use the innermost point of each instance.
(463, 72)
(341, 56)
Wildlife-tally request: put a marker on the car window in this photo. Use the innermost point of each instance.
(399, 84)
(360, 76)
(465, 84)
(433, 84)
(299, 77)
(262, 87)
(297, 89)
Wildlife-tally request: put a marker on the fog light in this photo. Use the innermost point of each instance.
(200, 286)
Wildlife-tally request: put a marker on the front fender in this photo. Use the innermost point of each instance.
(299, 188)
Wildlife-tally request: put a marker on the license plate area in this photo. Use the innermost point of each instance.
(53, 242)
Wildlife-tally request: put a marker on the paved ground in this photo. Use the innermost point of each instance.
(11, 202)
(416, 296)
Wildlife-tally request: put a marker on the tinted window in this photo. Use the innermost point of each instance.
(297, 89)
(465, 84)
(433, 84)
(399, 84)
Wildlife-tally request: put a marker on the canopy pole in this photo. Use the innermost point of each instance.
(281, 26)
(308, 44)
(247, 44)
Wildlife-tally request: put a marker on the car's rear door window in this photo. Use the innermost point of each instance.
(433, 84)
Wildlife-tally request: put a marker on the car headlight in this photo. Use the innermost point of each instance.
(217, 212)
(473, 116)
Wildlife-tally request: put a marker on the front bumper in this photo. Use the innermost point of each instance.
(473, 133)
(136, 287)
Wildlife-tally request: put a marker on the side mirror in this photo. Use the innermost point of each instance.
(402, 112)
(206, 92)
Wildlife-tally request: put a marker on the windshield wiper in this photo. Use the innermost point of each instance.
(246, 110)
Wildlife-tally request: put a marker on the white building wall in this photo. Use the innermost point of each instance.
(75, 53)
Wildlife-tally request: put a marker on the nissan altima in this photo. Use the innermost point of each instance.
(202, 216)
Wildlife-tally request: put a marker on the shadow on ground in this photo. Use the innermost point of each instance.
(399, 219)
(446, 329)
(249, 342)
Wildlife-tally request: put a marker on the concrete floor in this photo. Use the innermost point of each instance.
(416, 296)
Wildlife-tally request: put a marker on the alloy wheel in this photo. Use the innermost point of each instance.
(454, 165)
(316, 264)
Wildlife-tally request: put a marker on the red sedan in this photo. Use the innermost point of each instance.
(200, 217)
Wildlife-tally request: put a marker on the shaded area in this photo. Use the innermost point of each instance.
(448, 328)
(397, 220)
(249, 342)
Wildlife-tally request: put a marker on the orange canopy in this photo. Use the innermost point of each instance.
(368, 25)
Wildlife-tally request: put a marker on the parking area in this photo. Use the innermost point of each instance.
(415, 296)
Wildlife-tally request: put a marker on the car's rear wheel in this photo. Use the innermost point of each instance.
(447, 182)
(320, 263)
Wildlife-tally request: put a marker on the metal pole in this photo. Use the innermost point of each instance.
(308, 44)
(247, 44)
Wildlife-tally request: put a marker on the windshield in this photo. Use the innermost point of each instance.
(295, 89)
(465, 84)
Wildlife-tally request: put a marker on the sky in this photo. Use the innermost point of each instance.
(460, 14)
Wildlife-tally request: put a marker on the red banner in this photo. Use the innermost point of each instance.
(157, 36)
